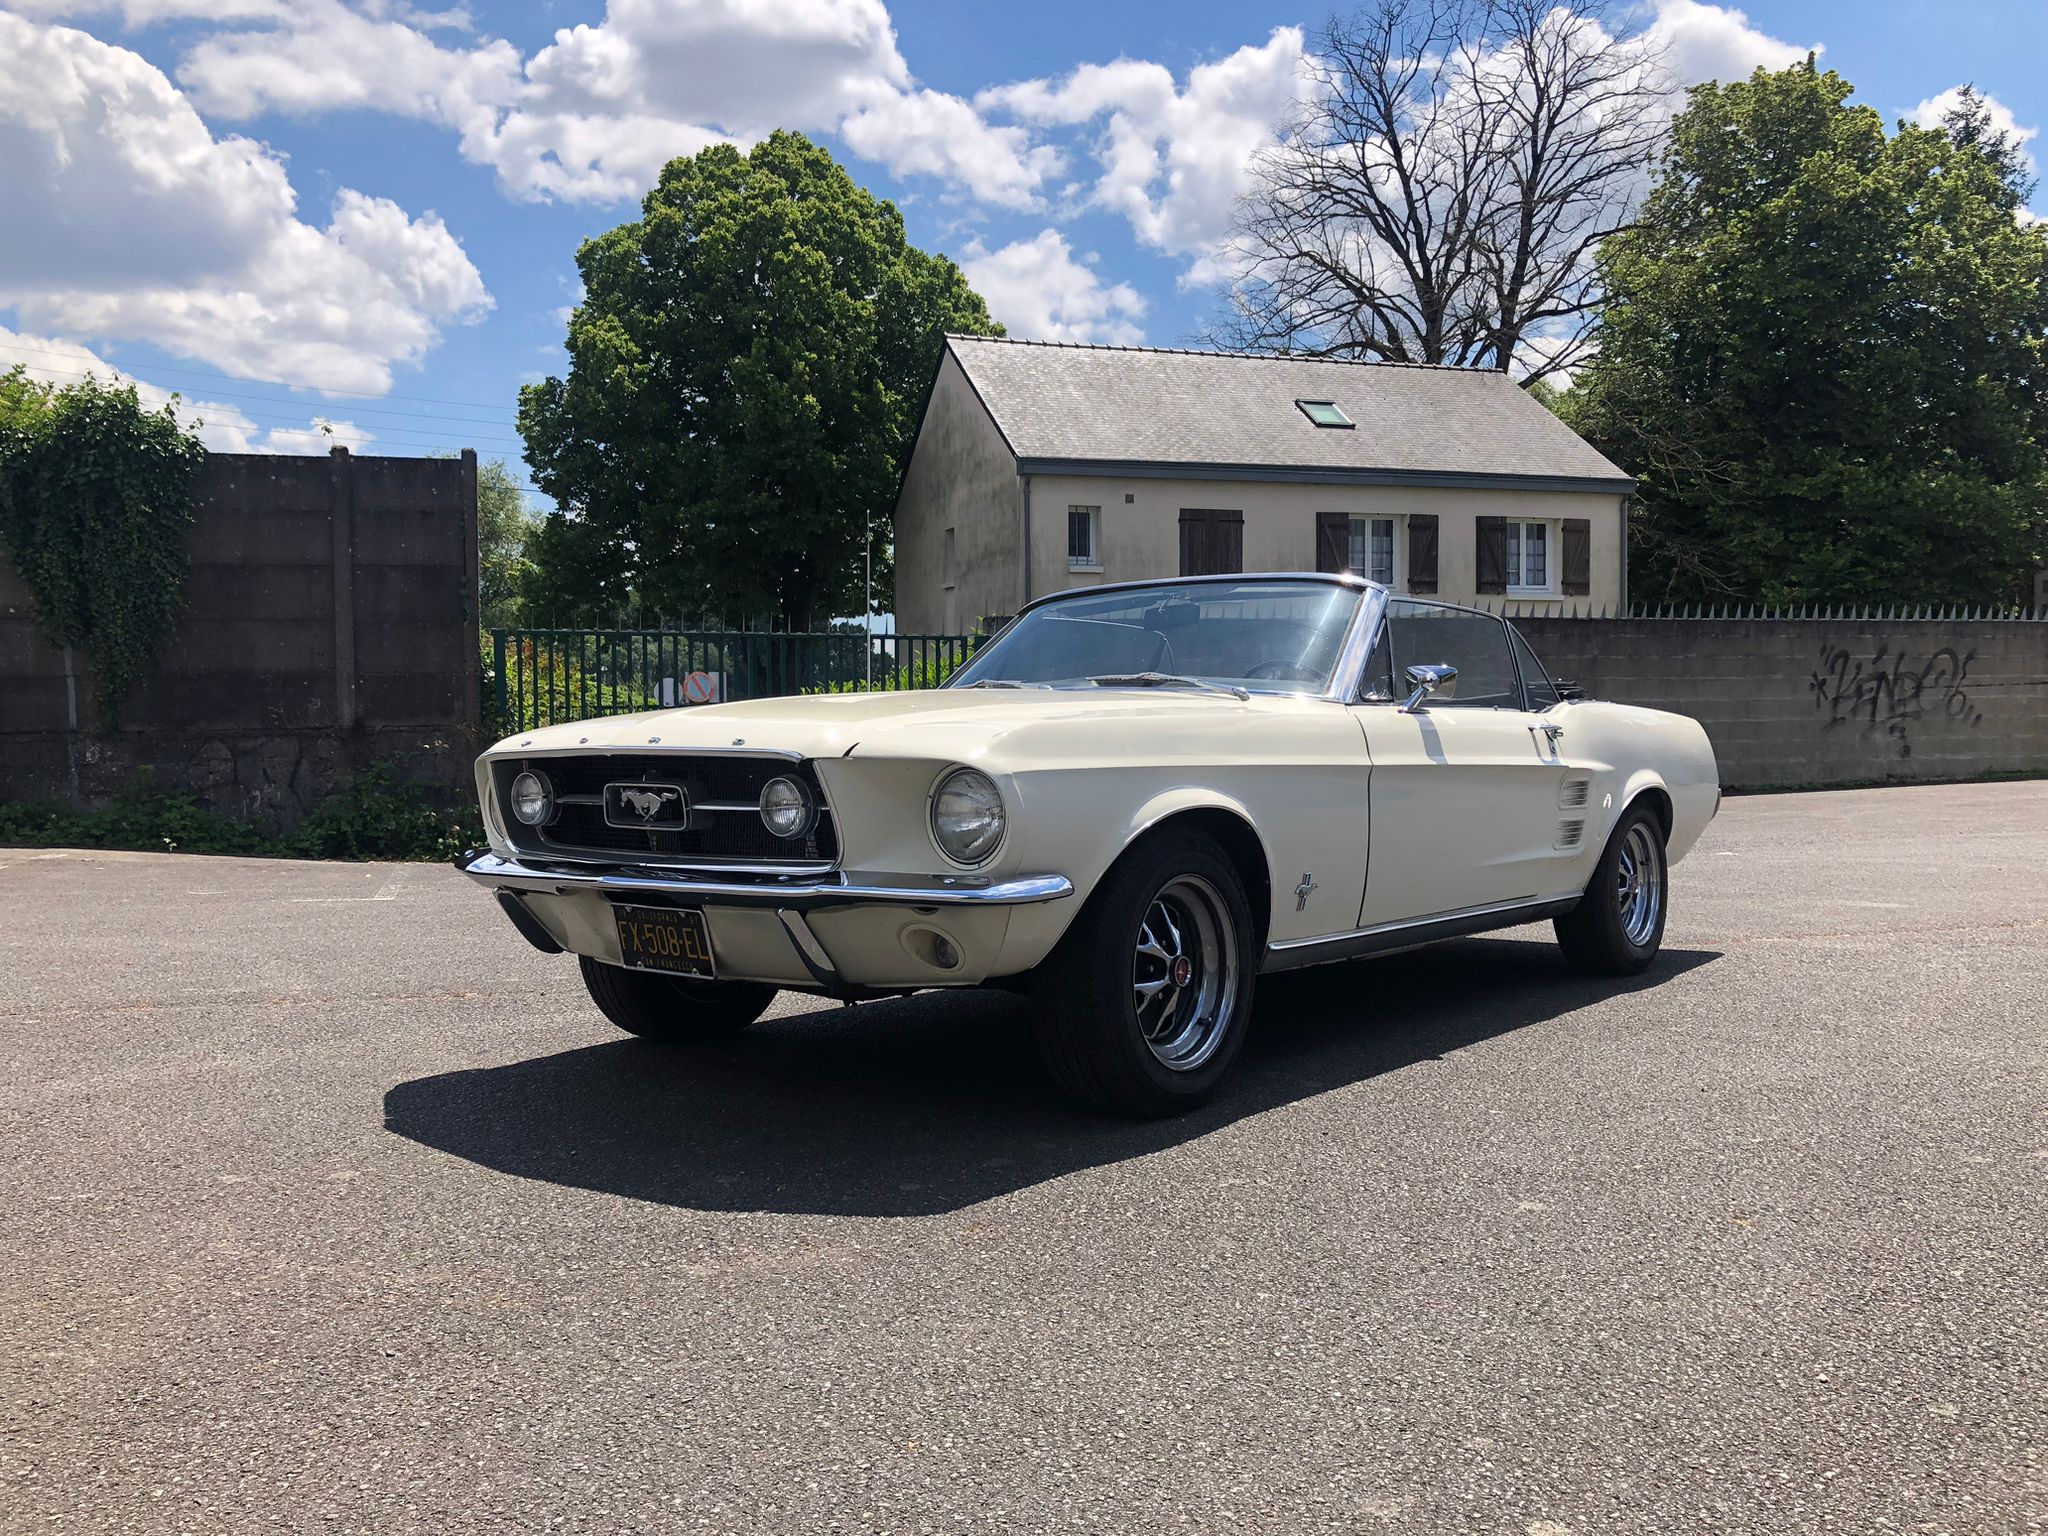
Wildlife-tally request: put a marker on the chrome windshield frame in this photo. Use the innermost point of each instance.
(1359, 635)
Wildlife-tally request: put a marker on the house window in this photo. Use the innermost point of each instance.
(1372, 549)
(1084, 538)
(1529, 558)
(1324, 413)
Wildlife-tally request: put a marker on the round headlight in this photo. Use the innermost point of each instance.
(785, 808)
(532, 801)
(967, 816)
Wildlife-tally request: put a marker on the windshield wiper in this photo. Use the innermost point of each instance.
(1004, 682)
(1165, 680)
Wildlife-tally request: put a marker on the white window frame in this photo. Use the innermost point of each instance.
(1514, 559)
(1092, 561)
(1361, 529)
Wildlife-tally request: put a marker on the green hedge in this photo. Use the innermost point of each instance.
(373, 817)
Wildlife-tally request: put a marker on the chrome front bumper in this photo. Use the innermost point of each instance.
(796, 894)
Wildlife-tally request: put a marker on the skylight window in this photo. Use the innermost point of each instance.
(1324, 413)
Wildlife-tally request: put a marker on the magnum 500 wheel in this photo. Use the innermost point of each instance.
(1143, 1007)
(1618, 925)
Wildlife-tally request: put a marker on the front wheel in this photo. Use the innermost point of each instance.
(1618, 925)
(673, 1009)
(1143, 1007)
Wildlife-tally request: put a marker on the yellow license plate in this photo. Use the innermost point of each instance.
(672, 939)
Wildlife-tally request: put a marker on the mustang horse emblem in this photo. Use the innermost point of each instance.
(647, 802)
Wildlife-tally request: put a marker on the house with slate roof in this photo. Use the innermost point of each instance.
(1040, 466)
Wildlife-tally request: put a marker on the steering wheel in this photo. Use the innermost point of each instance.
(1276, 671)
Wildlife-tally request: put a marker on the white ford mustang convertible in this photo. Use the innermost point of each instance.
(1130, 803)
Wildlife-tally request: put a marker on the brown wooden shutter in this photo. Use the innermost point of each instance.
(1421, 554)
(1229, 543)
(1578, 557)
(1490, 555)
(1333, 541)
(1194, 542)
(1211, 541)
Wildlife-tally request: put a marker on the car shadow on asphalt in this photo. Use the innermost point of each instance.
(919, 1105)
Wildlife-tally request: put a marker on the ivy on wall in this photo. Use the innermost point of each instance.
(95, 502)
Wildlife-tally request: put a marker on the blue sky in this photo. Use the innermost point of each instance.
(237, 199)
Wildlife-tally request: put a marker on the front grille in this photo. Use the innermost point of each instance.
(711, 836)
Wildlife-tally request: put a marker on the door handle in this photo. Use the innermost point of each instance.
(1550, 731)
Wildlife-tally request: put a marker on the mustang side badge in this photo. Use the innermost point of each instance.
(1303, 891)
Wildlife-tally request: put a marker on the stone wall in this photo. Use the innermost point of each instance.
(330, 622)
(1841, 701)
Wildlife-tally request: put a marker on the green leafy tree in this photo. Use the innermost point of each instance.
(95, 502)
(744, 375)
(1822, 354)
(503, 528)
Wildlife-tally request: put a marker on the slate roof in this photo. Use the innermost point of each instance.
(1073, 408)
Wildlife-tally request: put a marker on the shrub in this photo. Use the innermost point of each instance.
(374, 817)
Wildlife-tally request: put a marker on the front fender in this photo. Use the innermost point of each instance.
(1035, 930)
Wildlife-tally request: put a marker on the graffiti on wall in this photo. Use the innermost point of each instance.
(1889, 693)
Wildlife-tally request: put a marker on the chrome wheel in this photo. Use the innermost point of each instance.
(1184, 973)
(1639, 884)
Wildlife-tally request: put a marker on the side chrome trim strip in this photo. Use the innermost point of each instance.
(799, 895)
(1291, 954)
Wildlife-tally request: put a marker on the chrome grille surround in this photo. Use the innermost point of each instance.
(724, 831)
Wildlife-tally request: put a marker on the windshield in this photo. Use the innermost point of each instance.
(1265, 636)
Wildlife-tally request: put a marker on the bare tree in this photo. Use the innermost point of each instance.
(1440, 196)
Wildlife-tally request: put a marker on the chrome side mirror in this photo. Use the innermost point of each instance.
(1426, 680)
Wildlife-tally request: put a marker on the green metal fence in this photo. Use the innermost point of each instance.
(544, 676)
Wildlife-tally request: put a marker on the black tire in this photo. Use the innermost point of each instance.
(1085, 996)
(1608, 933)
(673, 1009)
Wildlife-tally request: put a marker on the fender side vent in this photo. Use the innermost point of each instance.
(1574, 794)
(1571, 833)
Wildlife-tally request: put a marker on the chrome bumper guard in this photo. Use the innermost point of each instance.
(799, 894)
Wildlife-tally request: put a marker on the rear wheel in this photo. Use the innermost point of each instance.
(673, 1009)
(1143, 1007)
(1618, 925)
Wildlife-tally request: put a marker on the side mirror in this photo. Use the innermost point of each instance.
(1426, 680)
(1569, 693)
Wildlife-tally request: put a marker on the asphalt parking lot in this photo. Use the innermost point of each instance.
(336, 1208)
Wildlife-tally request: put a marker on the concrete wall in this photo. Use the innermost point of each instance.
(962, 476)
(330, 621)
(1825, 701)
(1141, 536)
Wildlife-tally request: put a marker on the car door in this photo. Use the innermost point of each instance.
(1464, 791)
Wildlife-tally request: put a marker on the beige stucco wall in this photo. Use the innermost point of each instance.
(963, 477)
(1141, 538)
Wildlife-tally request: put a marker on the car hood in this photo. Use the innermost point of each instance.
(956, 723)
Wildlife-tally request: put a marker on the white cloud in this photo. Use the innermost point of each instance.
(932, 134)
(1716, 42)
(1931, 111)
(221, 427)
(142, 13)
(128, 218)
(1040, 292)
(595, 114)
(321, 55)
(1173, 159)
